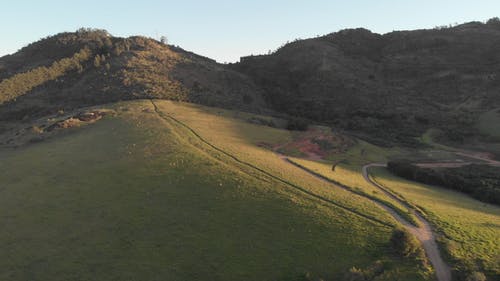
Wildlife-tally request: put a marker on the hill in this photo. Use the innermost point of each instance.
(131, 159)
(137, 195)
(388, 88)
(89, 67)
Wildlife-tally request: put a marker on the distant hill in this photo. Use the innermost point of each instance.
(402, 82)
(388, 89)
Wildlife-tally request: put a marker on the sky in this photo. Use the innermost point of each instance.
(228, 29)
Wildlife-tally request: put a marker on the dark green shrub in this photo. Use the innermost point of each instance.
(247, 99)
(297, 124)
(494, 20)
(405, 244)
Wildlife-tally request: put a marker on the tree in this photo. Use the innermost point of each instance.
(164, 40)
(494, 20)
(297, 124)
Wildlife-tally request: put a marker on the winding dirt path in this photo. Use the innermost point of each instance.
(423, 233)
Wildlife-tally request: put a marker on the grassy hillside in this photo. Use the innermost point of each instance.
(470, 229)
(138, 196)
(351, 177)
(230, 131)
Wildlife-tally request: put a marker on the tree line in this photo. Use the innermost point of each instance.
(22, 83)
(479, 181)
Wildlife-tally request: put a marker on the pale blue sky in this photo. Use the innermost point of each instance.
(227, 29)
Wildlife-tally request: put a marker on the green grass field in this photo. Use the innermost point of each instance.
(351, 177)
(470, 229)
(139, 197)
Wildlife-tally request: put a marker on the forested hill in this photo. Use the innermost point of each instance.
(389, 88)
(87, 67)
(400, 83)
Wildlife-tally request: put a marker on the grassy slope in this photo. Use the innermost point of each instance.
(231, 133)
(125, 199)
(471, 228)
(351, 177)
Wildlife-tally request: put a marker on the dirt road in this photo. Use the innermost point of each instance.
(423, 233)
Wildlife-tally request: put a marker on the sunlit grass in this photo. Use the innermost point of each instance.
(470, 229)
(135, 197)
(351, 177)
(239, 138)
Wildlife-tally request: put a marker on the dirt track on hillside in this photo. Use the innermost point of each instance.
(423, 233)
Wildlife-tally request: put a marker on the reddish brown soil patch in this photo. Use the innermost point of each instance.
(317, 144)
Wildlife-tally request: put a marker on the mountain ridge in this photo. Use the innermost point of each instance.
(117, 69)
(360, 80)
(388, 88)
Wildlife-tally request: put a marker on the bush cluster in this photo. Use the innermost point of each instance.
(406, 245)
(297, 124)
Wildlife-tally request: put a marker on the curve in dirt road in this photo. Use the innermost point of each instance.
(423, 233)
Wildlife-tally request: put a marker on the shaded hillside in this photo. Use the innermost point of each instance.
(88, 67)
(403, 82)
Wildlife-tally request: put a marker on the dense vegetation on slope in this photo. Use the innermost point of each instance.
(88, 67)
(20, 84)
(389, 88)
(404, 82)
(386, 88)
(480, 181)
